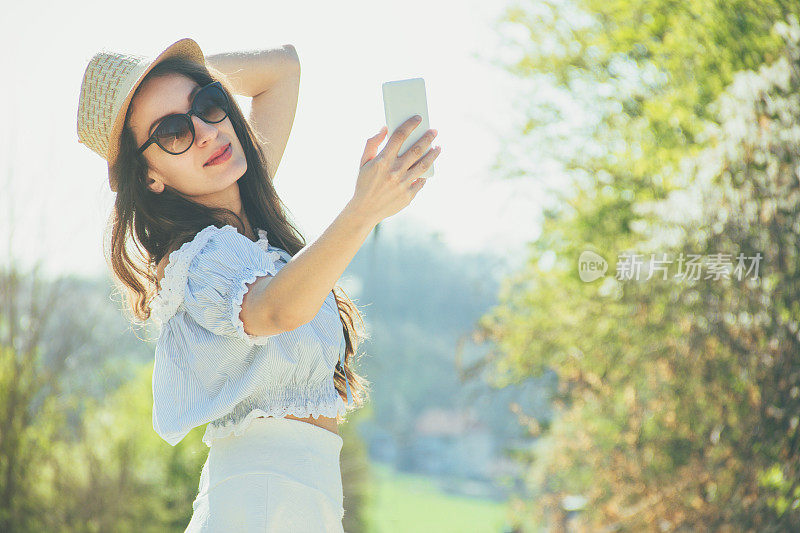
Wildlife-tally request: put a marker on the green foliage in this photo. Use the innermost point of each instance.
(23, 442)
(118, 474)
(675, 397)
(357, 476)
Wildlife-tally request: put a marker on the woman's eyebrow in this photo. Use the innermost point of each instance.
(189, 99)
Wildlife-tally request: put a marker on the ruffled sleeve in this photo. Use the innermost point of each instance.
(208, 276)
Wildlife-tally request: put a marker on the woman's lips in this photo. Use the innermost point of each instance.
(224, 156)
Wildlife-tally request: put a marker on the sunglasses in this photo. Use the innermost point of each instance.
(175, 133)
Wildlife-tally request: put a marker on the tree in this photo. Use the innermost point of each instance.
(29, 391)
(661, 398)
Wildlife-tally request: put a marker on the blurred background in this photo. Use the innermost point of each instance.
(588, 319)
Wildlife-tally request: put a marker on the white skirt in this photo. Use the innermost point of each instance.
(279, 475)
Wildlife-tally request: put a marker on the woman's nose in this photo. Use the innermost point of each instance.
(203, 130)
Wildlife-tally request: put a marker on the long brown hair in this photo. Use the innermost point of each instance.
(158, 223)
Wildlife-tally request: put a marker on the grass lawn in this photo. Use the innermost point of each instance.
(406, 502)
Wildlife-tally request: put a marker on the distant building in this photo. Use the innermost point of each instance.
(450, 441)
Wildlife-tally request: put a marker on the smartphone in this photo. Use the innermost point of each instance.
(402, 99)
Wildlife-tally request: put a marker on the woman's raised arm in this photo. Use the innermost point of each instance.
(272, 79)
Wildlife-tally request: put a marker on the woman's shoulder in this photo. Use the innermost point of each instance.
(192, 245)
(174, 269)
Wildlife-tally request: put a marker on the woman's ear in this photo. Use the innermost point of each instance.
(154, 182)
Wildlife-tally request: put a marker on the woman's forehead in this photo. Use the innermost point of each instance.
(160, 97)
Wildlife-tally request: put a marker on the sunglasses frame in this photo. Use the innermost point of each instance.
(188, 116)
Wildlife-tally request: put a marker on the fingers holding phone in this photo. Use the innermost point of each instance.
(387, 183)
(414, 160)
(413, 154)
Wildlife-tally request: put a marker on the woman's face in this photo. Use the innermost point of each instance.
(186, 172)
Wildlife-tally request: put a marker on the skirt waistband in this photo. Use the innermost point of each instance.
(297, 451)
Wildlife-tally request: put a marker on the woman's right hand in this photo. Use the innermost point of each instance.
(387, 183)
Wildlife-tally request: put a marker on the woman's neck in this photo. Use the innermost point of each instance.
(249, 232)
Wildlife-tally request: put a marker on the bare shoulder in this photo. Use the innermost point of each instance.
(162, 266)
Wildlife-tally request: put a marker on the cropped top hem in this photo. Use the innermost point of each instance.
(274, 405)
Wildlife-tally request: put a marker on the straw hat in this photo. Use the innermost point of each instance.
(108, 85)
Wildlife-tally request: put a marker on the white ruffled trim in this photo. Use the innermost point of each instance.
(263, 241)
(296, 408)
(166, 302)
(239, 290)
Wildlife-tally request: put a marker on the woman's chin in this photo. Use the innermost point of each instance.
(230, 170)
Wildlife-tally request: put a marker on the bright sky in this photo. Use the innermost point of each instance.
(58, 190)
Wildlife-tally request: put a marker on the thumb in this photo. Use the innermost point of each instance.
(371, 149)
(417, 184)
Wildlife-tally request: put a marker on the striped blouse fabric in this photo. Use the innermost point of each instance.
(209, 370)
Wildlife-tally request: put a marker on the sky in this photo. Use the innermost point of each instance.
(55, 197)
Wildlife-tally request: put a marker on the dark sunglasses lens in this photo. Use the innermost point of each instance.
(174, 134)
(211, 104)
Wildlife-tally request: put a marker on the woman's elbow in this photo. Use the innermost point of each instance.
(259, 315)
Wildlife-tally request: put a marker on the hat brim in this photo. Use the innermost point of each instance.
(187, 48)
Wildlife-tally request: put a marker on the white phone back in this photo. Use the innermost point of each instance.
(402, 99)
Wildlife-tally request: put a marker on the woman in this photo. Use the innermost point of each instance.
(251, 331)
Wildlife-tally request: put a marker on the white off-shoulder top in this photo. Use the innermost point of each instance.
(209, 370)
